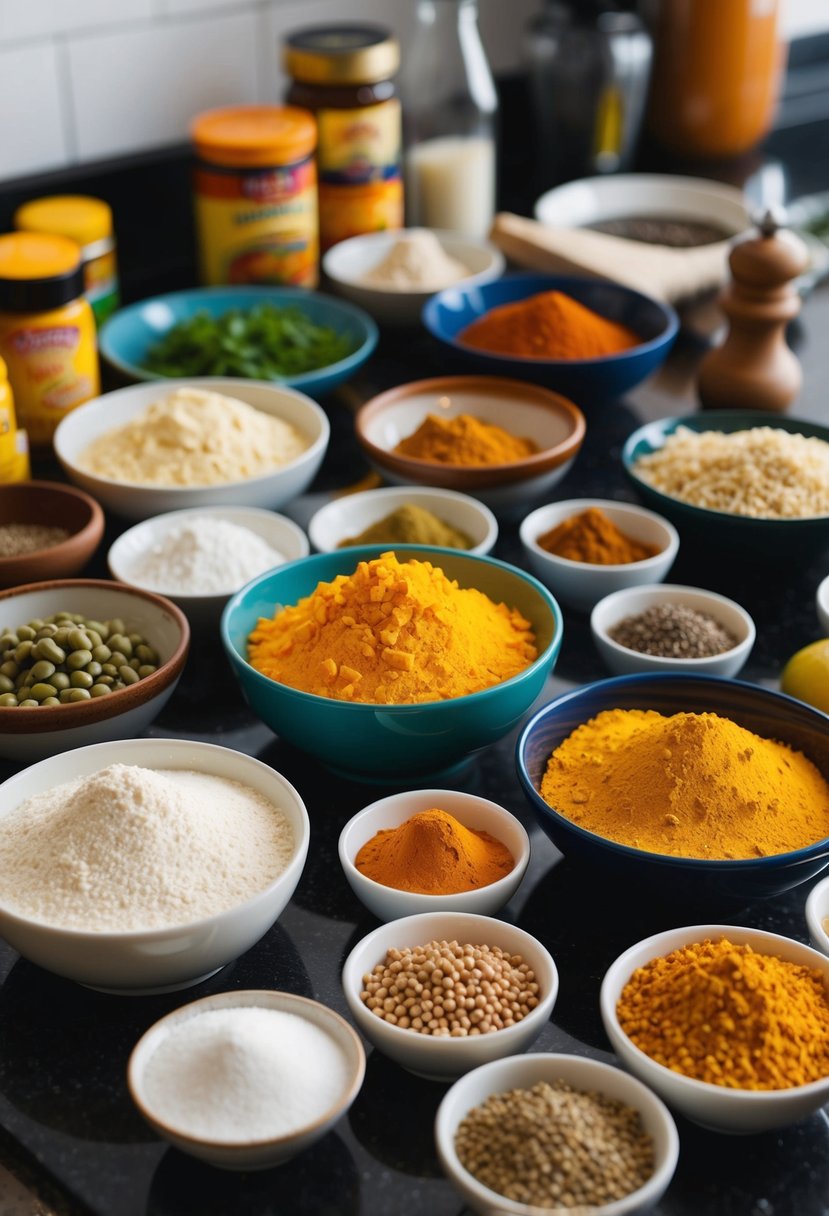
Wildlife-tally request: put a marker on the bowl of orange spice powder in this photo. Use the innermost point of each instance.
(588, 338)
(389, 664)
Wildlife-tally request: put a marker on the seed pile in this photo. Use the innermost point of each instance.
(673, 631)
(16, 539)
(66, 658)
(556, 1147)
(448, 989)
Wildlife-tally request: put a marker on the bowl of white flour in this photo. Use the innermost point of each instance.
(145, 865)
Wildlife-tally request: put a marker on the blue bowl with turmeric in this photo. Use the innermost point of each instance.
(704, 785)
(392, 668)
(590, 339)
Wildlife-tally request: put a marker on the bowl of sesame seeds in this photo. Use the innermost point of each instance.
(47, 530)
(443, 992)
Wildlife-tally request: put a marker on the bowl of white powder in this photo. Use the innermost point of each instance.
(198, 558)
(246, 1080)
(206, 442)
(145, 865)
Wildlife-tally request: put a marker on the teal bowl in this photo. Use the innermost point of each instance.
(128, 335)
(393, 743)
(741, 536)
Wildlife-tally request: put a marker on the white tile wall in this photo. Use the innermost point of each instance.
(86, 79)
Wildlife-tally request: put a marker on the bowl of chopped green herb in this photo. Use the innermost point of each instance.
(303, 339)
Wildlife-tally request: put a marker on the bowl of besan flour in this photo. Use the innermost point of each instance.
(172, 444)
(145, 865)
(246, 1080)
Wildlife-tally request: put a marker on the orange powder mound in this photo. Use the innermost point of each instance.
(393, 633)
(465, 440)
(549, 325)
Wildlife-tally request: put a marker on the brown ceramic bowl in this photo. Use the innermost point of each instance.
(554, 423)
(55, 505)
(32, 733)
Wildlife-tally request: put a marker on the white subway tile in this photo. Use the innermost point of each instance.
(33, 136)
(42, 18)
(140, 89)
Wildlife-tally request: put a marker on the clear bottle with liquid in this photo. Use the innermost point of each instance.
(449, 110)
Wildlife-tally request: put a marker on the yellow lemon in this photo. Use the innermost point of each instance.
(806, 675)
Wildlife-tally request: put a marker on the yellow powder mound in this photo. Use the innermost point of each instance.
(393, 633)
(690, 785)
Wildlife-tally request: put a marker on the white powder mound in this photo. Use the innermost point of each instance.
(204, 555)
(416, 261)
(236, 1075)
(134, 848)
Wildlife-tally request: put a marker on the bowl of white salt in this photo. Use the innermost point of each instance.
(246, 1080)
(199, 557)
(146, 865)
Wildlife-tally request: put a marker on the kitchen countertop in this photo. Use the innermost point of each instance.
(68, 1130)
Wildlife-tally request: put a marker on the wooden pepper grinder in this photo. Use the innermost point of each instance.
(754, 369)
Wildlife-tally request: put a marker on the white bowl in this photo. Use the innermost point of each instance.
(633, 600)
(85, 424)
(353, 513)
(523, 1072)
(822, 606)
(616, 196)
(345, 265)
(203, 611)
(817, 911)
(156, 960)
(712, 1106)
(258, 1154)
(441, 1059)
(580, 584)
(479, 814)
(30, 734)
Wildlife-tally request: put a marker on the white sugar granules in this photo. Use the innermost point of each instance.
(204, 555)
(243, 1074)
(135, 848)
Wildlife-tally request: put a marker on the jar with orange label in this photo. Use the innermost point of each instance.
(256, 195)
(47, 330)
(344, 74)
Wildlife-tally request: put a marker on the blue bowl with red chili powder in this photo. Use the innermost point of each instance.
(449, 313)
(771, 715)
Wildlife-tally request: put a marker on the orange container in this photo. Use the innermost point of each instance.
(716, 75)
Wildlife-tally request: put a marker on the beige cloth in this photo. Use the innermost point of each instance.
(668, 274)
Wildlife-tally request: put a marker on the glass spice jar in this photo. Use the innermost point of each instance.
(343, 73)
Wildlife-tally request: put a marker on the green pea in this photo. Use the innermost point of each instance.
(128, 675)
(23, 650)
(8, 640)
(21, 679)
(81, 679)
(8, 699)
(101, 654)
(94, 638)
(26, 633)
(116, 659)
(47, 648)
(28, 704)
(146, 654)
(60, 680)
(62, 635)
(41, 691)
(119, 642)
(79, 639)
(6, 685)
(98, 690)
(47, 631)
(116, 625)
(136, 639)
(71, 695)
(78, 659)
(109, 680)
(42, 670)
(97, 627)
(50, 701)
(9, 668)
(109, 669)
(62, 616)
(146, 669)
(94, 669)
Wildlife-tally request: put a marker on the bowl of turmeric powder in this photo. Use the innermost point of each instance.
(392, 664)
(728, 1024)
(590, 339)
(699, 785)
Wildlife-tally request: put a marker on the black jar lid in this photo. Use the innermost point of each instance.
(38, 272)
(348, 53)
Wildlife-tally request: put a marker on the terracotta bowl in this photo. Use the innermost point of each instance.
(31, 734)
(555, 424)
(55, 505)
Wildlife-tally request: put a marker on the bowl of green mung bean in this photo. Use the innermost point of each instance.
(84, 661)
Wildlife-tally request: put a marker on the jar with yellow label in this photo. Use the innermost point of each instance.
(88, 222)
(47, 330)
(256, 195)
(344, 74)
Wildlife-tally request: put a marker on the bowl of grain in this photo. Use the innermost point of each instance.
(204, 852)
(737, 481)
(47, 530)
(404, 513)
(441, 1038)
(83, 661)
(674, 1009)
(246, 1080)
(205, 442)
(561, 1107)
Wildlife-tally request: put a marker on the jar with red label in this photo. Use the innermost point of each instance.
(256, 195)
(343, 73)
(47, 330)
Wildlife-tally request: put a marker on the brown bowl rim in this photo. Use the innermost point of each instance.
(471, 476)
(89, 534)
(55, 718)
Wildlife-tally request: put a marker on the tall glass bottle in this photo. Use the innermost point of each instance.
(449, 113)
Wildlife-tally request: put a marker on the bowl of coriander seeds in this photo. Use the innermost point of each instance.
(47, 530)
